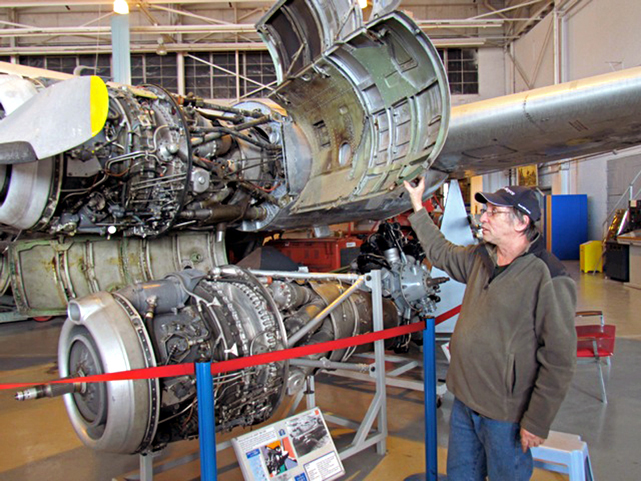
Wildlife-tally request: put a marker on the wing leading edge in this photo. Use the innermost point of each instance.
(578, 118)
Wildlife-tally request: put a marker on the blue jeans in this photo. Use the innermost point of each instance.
(480, 447)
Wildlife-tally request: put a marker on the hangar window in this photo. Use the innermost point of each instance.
(91, 64)
(198, 74)
(259, 72)
(155, 69)
(462, 69)
(223, 82)
(213, 75)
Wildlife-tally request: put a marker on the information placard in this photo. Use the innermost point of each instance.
(299, 448)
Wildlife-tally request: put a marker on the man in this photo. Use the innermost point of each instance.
(514, 346)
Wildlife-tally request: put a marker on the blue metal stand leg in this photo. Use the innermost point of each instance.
(429, 380)
(206, 421)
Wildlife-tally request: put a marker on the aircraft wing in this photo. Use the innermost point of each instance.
(582, 117)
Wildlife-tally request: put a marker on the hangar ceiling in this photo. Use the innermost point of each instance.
(41, 27)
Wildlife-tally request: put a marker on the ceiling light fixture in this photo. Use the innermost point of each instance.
(161, 49)
(362, 4)
(121, 7)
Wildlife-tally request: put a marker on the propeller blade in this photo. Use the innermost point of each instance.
(57, 119)
(17, 153)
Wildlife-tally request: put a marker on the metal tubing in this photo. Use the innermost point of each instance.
(49, 390)
(206, 422)
(306, 275)
(429, 386)
(327, 364)
(310, 392)
(314, 323)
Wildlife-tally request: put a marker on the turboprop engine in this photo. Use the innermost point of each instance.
(192, 316)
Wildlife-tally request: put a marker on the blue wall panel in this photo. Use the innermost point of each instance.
(566, 226)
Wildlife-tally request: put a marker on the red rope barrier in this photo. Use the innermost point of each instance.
(233, 364)
(244, 362)
(446, 315)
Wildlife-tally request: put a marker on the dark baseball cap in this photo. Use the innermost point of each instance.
(521, 198)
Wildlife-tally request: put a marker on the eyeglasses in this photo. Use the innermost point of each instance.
(493, 212)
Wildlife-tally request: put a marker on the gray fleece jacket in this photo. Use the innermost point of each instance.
(514, 346)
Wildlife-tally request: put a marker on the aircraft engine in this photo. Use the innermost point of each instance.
(187, 317)
(360, 107)
(155, 165)
(405, 278)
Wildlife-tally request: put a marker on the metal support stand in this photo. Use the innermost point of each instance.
(429, 380)
(310, 392)
(366, 434)
(394, 377)
(429, 367)
(206, 422)
(146, 463)
(379, 360)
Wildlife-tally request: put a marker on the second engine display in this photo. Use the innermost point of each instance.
(187, 317)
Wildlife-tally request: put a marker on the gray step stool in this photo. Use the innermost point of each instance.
(564, 453)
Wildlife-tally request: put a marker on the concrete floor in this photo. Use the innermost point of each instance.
(38, 443)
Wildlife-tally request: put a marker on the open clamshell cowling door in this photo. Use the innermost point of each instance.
(371, 100)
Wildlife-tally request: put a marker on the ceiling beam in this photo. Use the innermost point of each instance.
(537, 15)
(453, 32)
(107, 49)
(144, 30)
(109, 3)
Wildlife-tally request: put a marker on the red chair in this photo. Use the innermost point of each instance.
(596, 342)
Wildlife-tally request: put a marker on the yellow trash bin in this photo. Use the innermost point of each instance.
(590, 256)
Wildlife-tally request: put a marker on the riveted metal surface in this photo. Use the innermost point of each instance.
(372, 103)
(46, 274)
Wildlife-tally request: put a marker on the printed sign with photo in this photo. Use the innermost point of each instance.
(299, 448)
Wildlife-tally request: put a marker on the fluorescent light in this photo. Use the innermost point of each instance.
(440, 24)
(457, 42)
(362, 4)
(121, 7)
